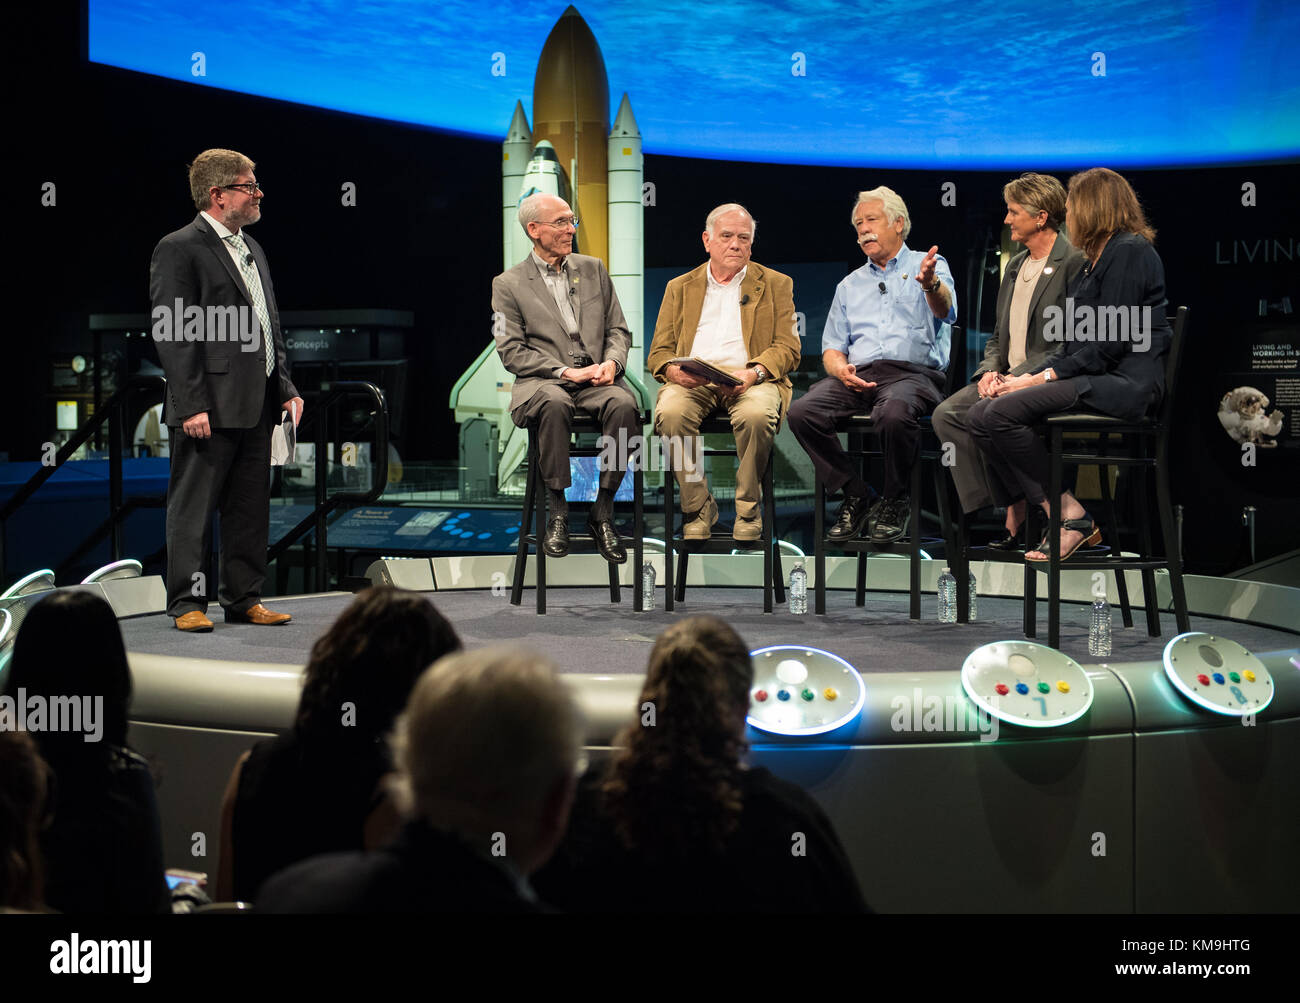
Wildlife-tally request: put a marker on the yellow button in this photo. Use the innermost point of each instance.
(1063, 686)
(829, 693)
(1250, 676)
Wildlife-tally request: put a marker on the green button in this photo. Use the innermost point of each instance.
(1234, 677)
(808, 694)
(1044, 688)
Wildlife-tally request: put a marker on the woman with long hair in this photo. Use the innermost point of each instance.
(677, 822)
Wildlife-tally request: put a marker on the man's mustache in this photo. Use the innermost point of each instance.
(867, 238)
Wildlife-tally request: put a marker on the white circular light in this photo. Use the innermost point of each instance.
(791, 672)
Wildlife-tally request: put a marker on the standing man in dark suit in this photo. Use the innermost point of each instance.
(1035, 280)
(560, 331)
(218, 335)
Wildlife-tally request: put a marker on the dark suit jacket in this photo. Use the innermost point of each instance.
(1066, 261)
(766, 321)
(225, 378)
(530, 334)
(421, 871)
(1118, 380)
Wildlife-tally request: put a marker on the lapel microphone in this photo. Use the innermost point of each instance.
(882, 288)
(744, 299)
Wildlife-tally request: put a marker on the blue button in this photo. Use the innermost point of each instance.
(1022, 689)
(1218, 678)
(783, 694)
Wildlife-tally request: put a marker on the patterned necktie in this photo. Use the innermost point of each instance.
(254, 283)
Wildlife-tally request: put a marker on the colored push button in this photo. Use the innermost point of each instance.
(1063, 686)
(760, 696)
(1044, 688)
(1022, 689)
(1002, 689)
(830, 693)
(1234, 677)
(1203, 679)
(783, 694)
(808, 694)
(1250, 676)
(1218, 678)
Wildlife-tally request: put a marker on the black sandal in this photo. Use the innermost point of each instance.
(1086, 526)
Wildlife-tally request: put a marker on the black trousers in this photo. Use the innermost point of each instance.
(552, 407)
(229, 473)
(902, 395)
(1003, 429)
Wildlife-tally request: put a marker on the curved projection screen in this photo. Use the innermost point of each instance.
(950, 83)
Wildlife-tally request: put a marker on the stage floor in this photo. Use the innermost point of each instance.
(583, 632)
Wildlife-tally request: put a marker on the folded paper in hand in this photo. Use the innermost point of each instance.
(706, 371)
(284, 440)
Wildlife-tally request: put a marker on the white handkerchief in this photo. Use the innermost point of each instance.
(284, 440)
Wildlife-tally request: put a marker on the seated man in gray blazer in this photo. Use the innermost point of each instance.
(560, 331)
(1035, 279)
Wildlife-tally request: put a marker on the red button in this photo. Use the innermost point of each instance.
(1203, 679)
(1002, 689)
(760, 696)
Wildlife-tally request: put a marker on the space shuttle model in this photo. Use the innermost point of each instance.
(573, 152)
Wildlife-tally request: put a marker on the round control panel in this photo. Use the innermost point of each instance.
(803, 691)
(1025, 683)
(1218, 674)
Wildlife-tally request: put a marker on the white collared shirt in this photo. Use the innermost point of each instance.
(223, 232)
(719, 339)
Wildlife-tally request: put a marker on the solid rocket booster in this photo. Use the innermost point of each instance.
(626, 227)
(571, 110)
(515, 154)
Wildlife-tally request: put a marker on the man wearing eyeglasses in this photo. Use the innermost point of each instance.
(560, 331)
(218, 335)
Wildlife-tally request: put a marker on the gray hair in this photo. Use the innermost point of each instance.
(895, 207)
(215, 169)
(485, 736)
(530, 209)
(722, 210)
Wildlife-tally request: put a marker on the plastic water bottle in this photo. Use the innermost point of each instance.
(970, 603)
(1099, 629)
(647, 586)
(798, 589)
(947, 597)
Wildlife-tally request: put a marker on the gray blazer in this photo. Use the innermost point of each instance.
(530, 334)
(1066, 261)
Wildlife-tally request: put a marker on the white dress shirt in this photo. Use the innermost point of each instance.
(719, 339)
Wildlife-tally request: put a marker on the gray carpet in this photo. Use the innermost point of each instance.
(583, 632)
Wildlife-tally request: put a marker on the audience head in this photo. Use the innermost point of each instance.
(698, 683)
(490, 742)
(1039, 196)
(370, 658)
(70, 646)
(1100, 203)
(24, 799)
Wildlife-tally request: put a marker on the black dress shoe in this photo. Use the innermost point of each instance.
(1008, 544)
(606, 537)
(852, 518)
(556, 541)
(891, 520)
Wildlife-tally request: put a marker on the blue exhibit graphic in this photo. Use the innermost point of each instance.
(1120, 82)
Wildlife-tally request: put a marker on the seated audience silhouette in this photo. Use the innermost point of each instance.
(318, 787)
(103, 847)
(677, 822)
(487, 754)
(24, 791)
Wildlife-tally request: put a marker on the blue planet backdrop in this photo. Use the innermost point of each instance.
(893, 84)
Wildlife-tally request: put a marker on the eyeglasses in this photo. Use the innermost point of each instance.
(248, 186)
(561, 223)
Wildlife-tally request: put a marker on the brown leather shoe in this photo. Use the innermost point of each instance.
(193, 622)
(257, 614)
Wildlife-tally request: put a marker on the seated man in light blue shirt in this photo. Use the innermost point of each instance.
(885, 349)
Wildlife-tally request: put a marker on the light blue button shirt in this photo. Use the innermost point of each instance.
(867, 324)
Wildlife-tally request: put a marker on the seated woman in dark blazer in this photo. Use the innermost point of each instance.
(317, 788)
(677, 823)
(103, 848)
(1112, 358)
